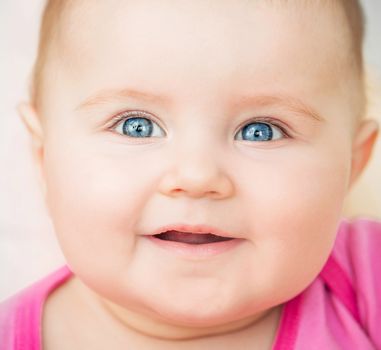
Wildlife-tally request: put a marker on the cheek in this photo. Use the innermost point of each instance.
(296, 185)
(95, 198)
(293, 204)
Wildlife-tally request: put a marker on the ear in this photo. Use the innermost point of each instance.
(34, 126)
(365, 139)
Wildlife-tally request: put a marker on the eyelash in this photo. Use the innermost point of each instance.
(129, 114)
(142, 114)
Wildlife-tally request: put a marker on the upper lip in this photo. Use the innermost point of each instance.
(200, 228)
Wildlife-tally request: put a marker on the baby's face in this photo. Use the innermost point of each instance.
(251, 133)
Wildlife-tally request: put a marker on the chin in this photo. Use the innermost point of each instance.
(201, 315)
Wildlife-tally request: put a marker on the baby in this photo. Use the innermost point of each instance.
(195, 157)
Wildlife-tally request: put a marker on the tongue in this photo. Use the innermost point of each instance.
(191, 238)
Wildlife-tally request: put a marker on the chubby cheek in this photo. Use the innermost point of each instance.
(95, 198)
(294, 204)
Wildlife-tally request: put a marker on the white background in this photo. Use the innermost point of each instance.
(28, 249)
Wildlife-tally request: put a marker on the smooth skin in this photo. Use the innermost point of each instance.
(217, 67)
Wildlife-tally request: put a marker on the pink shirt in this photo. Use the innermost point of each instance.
(340, 309)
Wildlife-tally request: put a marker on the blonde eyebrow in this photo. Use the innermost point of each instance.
(293, 103)
(106, 96)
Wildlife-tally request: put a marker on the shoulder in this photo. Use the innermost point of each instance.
(357, 251)
(357, 247)
(20, 315)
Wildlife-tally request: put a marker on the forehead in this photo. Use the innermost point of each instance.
(166, 44)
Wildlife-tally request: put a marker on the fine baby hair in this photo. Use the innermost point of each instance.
(195, 157)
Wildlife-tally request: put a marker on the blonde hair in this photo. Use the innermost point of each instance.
(55, 10)
(52, 15)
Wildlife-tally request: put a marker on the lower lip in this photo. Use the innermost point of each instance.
(196, 250)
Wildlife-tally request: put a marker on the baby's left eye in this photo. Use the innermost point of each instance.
(259, 131)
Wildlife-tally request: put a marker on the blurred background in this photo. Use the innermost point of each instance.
(28, 248)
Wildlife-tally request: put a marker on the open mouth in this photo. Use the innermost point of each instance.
(191, 238)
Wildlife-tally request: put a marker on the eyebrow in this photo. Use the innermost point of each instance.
(106, 96)
(293, 103)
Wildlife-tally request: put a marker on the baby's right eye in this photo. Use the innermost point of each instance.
(137, 127)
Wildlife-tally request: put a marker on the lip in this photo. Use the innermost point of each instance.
(194, 229)
(195, 251)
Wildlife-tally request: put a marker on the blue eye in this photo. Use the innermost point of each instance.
(259, 131)
(143, 127)
(139, 127)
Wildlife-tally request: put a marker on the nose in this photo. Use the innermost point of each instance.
(196, 174)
